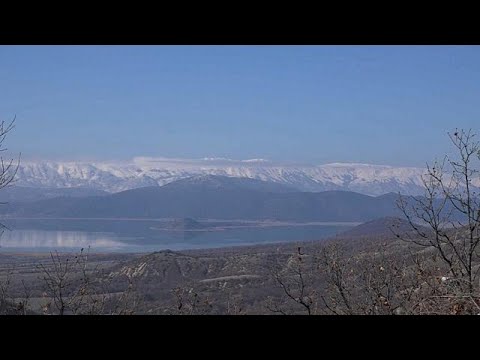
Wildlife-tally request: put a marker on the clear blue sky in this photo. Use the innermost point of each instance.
(316, 104)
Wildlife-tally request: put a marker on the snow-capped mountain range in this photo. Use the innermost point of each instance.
(146, 171)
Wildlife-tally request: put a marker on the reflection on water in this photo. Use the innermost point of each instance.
(142, 236)
(37, 239)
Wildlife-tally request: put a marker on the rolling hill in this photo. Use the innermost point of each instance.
(215, 197)
(386, 226)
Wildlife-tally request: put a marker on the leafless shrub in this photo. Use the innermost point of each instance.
(10, 304)
(235, 305)
(71, 287)
(188, 301)
(8, 167)
(450, 210)
(296, 281)
(62, 288)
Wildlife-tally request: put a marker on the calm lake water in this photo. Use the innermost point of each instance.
(144, 236)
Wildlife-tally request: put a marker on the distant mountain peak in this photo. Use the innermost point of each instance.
(149, 171)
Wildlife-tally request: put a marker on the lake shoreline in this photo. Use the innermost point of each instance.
(35, 236)
(207, 220)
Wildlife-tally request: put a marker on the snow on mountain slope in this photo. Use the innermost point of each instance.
(144, 171)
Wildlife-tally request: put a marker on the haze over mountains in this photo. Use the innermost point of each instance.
(143, 171)
(210, 188)
(214, 197)
(27, 194)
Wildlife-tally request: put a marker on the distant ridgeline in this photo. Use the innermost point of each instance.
(113, 177)
(208, 197)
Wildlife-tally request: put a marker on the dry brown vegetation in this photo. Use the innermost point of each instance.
(430, 269)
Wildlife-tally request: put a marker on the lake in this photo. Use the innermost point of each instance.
(45, 235)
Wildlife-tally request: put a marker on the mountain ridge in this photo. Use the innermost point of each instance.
(236, 199)
(141, 172)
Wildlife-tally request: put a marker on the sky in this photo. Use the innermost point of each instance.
(306, 104)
